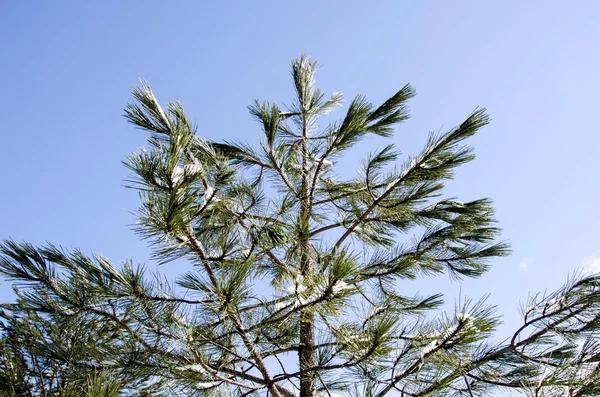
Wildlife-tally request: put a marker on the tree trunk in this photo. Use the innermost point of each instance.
(306, 352)
(308, 384)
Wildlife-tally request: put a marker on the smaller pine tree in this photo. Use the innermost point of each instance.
(296, 279)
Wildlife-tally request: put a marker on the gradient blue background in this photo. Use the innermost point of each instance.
(66, 69)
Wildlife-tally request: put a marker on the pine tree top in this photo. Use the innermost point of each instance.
(296, 279)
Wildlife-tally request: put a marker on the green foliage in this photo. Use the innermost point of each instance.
(295, 284)
(103, 386)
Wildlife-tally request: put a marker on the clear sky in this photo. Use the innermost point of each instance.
(66, 69)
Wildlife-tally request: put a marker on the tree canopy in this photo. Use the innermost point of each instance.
(295, 283)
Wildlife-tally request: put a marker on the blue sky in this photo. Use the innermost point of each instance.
(66, 69)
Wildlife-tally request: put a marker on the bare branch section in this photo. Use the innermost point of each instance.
(295, 280)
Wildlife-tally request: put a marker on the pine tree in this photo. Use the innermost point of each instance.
(296, 284)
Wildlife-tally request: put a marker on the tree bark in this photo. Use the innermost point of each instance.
(308, 384)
